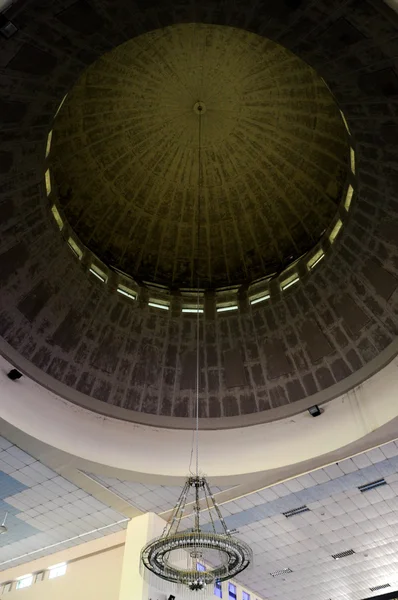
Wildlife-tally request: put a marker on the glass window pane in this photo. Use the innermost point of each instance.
(232, 591)
(200, 567)
(24, 582)
(57, 570)
(245, 596)
(218, 589)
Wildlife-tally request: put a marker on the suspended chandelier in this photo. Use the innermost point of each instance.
(195, 559)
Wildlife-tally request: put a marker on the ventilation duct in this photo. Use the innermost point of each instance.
(296, 511)
(371, 486)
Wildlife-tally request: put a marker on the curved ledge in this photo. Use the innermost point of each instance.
(223, 453)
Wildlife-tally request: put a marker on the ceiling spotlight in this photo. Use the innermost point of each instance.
(171, 597)
(3, 528)
(315, 411)
(14, 375)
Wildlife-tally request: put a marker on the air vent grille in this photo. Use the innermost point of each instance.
(372, 485)
(281, 572)
(379, 587)
(296, 511)
(343, 554)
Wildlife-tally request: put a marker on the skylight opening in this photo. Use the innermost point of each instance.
(227, 308)
(49, 140)
(24, 581)
(60, 106)
(287, 283)
(192, 309)
(345, 122)
(348, 198)
(57, 216)
(256, 299)
(163, 305)
(335, 231)
(98, 273)
(314, 260)
(126, 291)
(352, 160)
(48, 182)
(75, 248)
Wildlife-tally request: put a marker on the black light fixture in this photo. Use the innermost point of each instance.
(3, 528)
(314, 411)
(14, 375)
(7, 29)
(171, 597)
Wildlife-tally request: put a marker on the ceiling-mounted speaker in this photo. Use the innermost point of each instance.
(315, 411)
(171, 597)
(7, 29)
(14, 375)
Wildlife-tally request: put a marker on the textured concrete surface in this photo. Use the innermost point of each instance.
(333, 323)
(273, 151)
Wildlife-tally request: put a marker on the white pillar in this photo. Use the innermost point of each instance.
(140, 530)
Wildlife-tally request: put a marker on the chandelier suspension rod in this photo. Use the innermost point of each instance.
(198, 285)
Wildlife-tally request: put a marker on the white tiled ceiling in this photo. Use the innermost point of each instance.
(45, 509)
(341, 518)
(156, 498)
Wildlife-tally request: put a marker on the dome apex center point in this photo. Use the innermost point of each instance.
(199, 107)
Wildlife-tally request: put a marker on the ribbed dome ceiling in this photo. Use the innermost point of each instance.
(125, 156)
